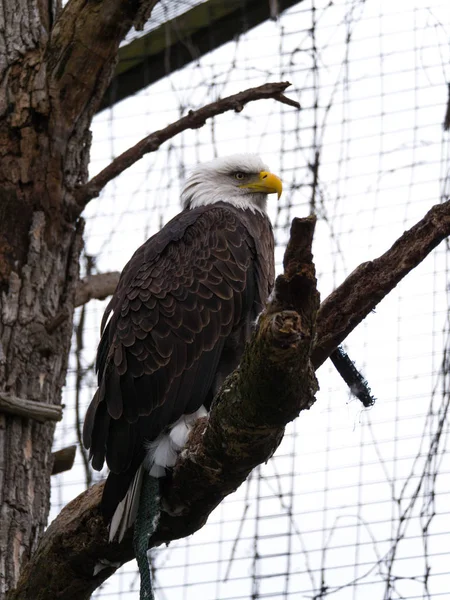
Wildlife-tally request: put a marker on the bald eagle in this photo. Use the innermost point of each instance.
(177, 325)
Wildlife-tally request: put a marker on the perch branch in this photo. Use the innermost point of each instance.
(96, 287)
(63, 564)
(63, 459)
(22, 407)
(193, 120)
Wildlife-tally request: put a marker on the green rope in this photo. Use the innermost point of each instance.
(145, 525)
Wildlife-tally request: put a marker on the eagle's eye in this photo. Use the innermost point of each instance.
(239, 175)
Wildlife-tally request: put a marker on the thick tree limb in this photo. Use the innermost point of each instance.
(29, 409)
(96, 287)
(193, 120)
(244, 424)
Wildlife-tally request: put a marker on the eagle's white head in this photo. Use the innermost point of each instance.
(240, 179)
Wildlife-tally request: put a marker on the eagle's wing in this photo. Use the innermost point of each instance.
(181, 300)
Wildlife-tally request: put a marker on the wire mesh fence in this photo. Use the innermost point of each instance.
(355, 503)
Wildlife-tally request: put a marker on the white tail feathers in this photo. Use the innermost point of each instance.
(126, 510)
(162, 453)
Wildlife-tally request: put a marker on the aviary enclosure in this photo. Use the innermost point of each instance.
(355, 502)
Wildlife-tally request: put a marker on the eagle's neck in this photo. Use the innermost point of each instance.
(199, 192)
(258, 202)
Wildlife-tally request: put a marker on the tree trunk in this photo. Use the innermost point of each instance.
(51, 82)
(39, 251)
(34, 362)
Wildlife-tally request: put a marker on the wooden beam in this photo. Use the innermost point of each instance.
(183, 39)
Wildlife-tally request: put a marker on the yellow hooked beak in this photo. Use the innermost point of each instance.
(268, 183)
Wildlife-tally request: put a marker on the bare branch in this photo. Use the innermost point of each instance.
(29, 409)
(96, 287)
(63, 459)
(288, 101)
(193, 120)
(369, 283)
